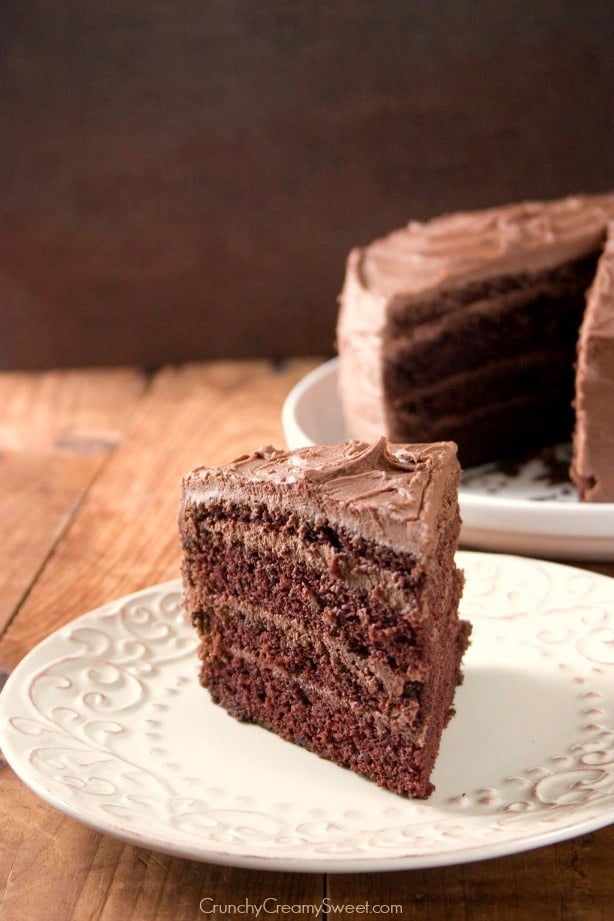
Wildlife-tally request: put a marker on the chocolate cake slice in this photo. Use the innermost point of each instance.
(465, 327)
(323, 587)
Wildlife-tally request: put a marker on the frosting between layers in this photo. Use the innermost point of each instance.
(390, 493)
(403, 719)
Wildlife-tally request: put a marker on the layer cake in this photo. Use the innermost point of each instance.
(465, 327)
(323, 587)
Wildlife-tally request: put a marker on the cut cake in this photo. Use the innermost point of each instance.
(465, 328)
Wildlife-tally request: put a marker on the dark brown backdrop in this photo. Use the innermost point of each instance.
(184, 179)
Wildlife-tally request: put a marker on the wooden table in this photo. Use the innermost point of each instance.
(89, 471)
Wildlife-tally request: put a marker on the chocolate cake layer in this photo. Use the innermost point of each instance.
(378, 661)
(502, 365)
(365, 651)
(315, 664)
(333, 728)
(323, 587)
(373, 607)
(465, 327)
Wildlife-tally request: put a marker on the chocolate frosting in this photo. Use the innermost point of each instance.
(593, 464)
(395, 272)
(390, 493)
(524, 237)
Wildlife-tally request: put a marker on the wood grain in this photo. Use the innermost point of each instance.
(571, 880)
(125, 536)
(56, 432)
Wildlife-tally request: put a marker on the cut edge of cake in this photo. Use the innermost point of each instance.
(592, 468)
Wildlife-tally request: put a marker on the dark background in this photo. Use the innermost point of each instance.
(183, 180)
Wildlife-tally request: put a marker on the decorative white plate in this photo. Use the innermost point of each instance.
(106, 721)
(531, 508)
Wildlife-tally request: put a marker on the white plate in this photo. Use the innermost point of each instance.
(517, 511)
(106, 721)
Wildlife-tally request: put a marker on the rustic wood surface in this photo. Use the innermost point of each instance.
(90, 464)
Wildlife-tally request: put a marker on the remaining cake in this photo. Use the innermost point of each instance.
(465, 328)
(592, 468)
(323, 586)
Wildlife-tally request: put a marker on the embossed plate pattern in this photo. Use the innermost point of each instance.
(106, 721)
(526, 508)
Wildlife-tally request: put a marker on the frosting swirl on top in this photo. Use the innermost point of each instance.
(324, 463)
(529, 236)
(390, 492)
